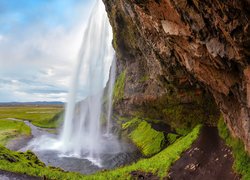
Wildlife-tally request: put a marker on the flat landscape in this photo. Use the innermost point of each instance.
(12, 119)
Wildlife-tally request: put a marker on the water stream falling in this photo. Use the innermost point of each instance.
(84, 140)
(82, 133)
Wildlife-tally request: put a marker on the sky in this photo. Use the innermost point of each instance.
(39, 43)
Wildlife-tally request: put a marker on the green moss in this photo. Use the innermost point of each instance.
(147, 139)
(172, 137)
(241, 158)
(183, 118)
(131, 123)
(28, 163)
(11, 129)
(119, 87)
(144, 79)
(140, 132)
(158, 164)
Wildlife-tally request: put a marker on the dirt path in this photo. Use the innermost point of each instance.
(208, 159)
(5, 175)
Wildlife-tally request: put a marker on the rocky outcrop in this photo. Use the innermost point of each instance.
(179, 56)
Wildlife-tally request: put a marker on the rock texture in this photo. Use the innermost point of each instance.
(181, 55)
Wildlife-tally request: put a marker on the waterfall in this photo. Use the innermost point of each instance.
(82, 133)
(110, 96)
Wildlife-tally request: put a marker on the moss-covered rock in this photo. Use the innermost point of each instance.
(241, 157)
(119, 87)
(171, 137)
(147, 139)
(141, 133)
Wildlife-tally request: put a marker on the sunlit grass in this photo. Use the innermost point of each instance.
(41, 116)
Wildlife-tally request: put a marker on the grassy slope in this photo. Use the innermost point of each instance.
(148, 140)
(158, 164)
(11, 129)
(241, 158)
(40, 116)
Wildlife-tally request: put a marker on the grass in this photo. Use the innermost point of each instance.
(241, 158)
(12, 129)
(159, 164)
(42, 116)
(28, 163)
(147, 139)
(172, 137)
(140, 132)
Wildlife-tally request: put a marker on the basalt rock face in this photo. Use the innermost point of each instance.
(181, 55)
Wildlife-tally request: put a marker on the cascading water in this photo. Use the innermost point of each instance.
(82, 133)
(84, 141)
(110, 96)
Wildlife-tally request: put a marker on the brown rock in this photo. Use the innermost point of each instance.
(207, 42)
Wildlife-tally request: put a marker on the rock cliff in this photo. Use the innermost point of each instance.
(177, 57)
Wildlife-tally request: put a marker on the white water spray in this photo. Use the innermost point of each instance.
(110, 96)
(82, 134)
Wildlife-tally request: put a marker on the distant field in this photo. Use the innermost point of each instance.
(12, 129)
(42, 116)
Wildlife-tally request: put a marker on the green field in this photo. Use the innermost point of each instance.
(12, 129)
(42, 116)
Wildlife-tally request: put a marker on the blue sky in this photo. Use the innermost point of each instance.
(39, 42)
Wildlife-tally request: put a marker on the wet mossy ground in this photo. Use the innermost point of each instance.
(28, 163)
(147, 139)
(241, 158)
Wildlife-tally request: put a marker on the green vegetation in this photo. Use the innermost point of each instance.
(11, 129)
(42, 116)
(183, 118)
(241, 158)
(28, 163)
(119, 86)
(172, 137)
(140, 132)
(147, 139)
(144, 79)
(159, 164)
(131, 123)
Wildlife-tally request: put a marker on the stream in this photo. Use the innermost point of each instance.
(127, 155)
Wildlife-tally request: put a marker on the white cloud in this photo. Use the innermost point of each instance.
(2, 38)
(42, 56)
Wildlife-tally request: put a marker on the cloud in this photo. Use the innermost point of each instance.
(38, 53)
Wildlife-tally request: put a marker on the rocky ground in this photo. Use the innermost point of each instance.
(5, 175)
(208, 159)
